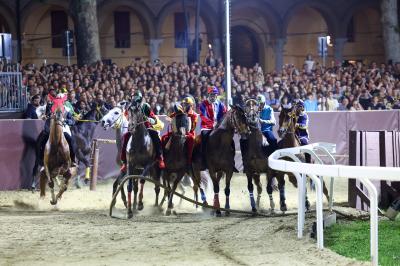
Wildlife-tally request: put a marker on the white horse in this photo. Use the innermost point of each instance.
(117, 120)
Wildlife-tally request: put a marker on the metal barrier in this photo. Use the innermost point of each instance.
(13, 95)
(363, 173)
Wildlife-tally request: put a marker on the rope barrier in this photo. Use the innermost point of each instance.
(133, 177)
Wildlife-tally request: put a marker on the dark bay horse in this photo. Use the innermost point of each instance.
(57, 159)
(220, 154)
(140, 155)
(83, 133)
(175, 156)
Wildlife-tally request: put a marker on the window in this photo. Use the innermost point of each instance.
(181, 33)
(122, 29)
(59, 24)
(351, 31)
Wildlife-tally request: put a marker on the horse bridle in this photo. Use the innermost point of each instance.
(117, 124)
(234, 122)
(292, 115)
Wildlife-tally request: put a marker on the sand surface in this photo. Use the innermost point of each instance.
(79, 232)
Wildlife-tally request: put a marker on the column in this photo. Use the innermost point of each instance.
(216, 45)
(338, 50)
(154, 48)
(278, 49)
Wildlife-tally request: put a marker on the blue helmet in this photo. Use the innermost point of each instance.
(213, 90)
(299, 103)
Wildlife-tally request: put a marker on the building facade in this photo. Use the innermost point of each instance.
(267, 32)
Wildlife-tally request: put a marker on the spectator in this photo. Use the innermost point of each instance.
(30, 112)
(365, 99)
(332, 103)
(310, 104)
(344, 105)
(376, 105)
(356, 106)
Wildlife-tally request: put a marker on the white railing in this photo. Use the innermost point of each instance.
(363, 173)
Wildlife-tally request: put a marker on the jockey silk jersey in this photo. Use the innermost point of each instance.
(267, 113)
(302, 129)
(211, 113)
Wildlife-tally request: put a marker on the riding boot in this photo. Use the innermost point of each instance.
(189, 146)
(235, 170)
(71, 149)
(157, 145)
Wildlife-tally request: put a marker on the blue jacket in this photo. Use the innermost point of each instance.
(267, 113)
(302, 126)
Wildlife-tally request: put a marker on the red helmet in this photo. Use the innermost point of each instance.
(213, 90)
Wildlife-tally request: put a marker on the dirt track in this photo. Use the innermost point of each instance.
(80, 232)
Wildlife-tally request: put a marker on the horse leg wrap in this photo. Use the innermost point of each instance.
(282, 194)
(227, 192)
(87, 173)
(252, 201)
(203, 195)
(129, 199)
(130, 185)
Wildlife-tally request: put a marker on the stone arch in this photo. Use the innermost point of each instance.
(255, 50)
(322, 7)
(35, 7)
(266, 12)
(145, 15)
(207, 14)
(7, 17)
(353, 9)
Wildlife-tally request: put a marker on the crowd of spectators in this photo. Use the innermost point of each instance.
(338, 88)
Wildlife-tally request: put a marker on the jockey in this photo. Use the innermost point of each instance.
(187, 107)
(211, 113)
(57, 101)
(302, 123)
(267, 121)
(302, 126)
(152, 120)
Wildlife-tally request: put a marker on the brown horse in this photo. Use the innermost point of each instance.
(289, 139)
(220, 154)
(57, 159)
(175, 154)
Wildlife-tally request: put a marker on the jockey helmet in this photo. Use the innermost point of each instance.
(213, 90)
(138, 97)
(299, 104)
(188, 100)
(178, 108)
(146, 109)
(260, 98)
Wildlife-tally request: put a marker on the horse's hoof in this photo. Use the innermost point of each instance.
(174, 213)
(283, 208)
(130, 214)
(254, 210)
(53, 202)
(140, 206)
(168, 212)
(218, 213)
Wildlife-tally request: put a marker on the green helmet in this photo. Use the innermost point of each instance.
(146, 109)
(138, 97)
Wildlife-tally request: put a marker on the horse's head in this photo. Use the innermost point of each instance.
(287, 120)
(181, 124)
(58, 116)
(238, 120)
(252, 111)
(113, 118)
(135, 115)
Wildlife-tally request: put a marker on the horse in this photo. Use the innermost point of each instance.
(57, 159)
(220, 154)
(287, 128)
(140, 154)
(116, 119)
(83, 133)
(175, 156)
(255, 151)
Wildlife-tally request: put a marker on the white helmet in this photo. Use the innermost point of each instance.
(260, 98)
